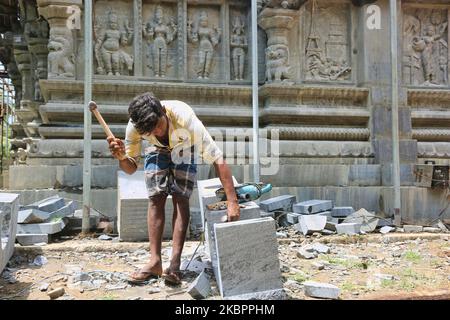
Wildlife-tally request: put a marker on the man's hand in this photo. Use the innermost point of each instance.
(117, 148)
(233, 211)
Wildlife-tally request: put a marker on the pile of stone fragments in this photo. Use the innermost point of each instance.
(43, 219)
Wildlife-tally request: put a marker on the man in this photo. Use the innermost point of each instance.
(179, 140)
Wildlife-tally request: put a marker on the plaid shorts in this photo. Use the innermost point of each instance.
(162, 176)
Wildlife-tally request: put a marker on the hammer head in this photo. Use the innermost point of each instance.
(92, 106)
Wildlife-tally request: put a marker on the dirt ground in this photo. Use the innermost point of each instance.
(373, 266)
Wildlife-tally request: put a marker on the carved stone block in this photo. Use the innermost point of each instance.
(328, 41)
(425, 46)
(113, 34)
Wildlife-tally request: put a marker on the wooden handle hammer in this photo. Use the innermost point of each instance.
(93, 108)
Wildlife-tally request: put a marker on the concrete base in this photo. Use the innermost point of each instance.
(9, 207)
(133, 208)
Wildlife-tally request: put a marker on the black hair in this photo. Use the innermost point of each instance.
(145, 110)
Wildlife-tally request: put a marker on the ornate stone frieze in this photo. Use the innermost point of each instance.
(239, 48)
(61, 56)
(160, 30)
(113, 34)
(321, 133)
(277, 24)
(426, 98)
(327, 41)
(425, 47)
(204, 33)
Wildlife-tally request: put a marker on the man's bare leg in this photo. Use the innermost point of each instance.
(155, 221)
(180, 224)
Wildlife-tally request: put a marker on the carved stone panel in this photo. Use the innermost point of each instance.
(205, 43)
(160, 31)
(113, 38)
(240, 42)
(327, 41)
(425, 47)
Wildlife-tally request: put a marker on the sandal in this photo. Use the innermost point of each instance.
(172, 277)
(140, 277)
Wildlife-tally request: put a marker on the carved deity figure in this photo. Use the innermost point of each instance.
(207, 39)
(277, 63)
(109, 53)
(161, 34)
(238, 48)
(61, 60)
(427, 46)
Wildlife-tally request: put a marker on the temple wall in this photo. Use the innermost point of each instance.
(325, 82)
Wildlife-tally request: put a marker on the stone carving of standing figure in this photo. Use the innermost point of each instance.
(429, 54)
(108, 51)
(238, 46)
(208, 38)
(162, 35)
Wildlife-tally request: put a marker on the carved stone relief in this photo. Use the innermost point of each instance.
(239, 48)
(327, 41)
(113, 34)
(61, 56)
(277, 23)
(425, 47)
(159, 31)
(204, 35)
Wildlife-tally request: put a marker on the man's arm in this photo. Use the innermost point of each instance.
(224, 173)
(117, 148)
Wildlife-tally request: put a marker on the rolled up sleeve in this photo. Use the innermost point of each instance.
(133, 141)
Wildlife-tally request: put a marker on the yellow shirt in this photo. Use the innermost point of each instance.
(185, 131)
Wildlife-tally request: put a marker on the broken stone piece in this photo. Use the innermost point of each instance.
(312, 223)
(412, 228)
(342, 212)
(386, 229)
(56, 293)
(32, 216)
(312, 206)
(321, 290)
(348, 228)
(201, 287)
(283, 202)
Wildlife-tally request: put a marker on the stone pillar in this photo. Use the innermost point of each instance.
(375, 74)
(277, 22)
(61, 57)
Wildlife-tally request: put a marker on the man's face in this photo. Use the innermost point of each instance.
(161, 128)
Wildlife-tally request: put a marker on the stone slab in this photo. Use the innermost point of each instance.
(312, 206)
(312, 223)
(41, 228)
(292, 217)
(31, 239)
(51, 205)
(321, 290)
(207, 190)
(247, 254)
(250, 211)
(278, 294)
(9, 207)
(32, 216)
(412, 228)
(348, 228)
(133, 207)
(66, 211)
(342, 212)
(284, 203)
(200, 288)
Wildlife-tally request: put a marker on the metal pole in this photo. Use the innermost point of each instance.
(87, 115)
(255, 95)
(394, 110)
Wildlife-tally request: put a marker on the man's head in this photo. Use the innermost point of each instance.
(146, 113)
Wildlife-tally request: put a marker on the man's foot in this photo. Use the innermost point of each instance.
(146, 273)
(172, 277)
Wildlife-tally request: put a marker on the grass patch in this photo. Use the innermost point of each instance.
(348, 263)
(387, 283)
(351, 287)
(412, 256)
(300, 278)
(108, 297)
